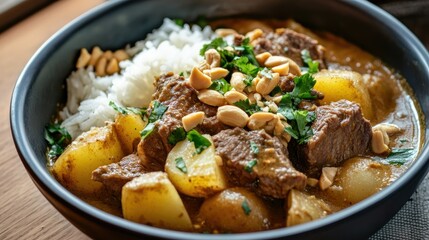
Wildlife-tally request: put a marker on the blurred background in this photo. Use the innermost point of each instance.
(413, 13)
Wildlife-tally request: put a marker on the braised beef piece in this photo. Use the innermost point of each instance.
(115, 175)
(340, 132)
(273, 175)
(181, 99)
(289, 43)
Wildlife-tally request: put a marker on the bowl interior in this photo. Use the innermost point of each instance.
(118, 23)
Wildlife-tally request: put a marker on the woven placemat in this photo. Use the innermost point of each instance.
(412, 221)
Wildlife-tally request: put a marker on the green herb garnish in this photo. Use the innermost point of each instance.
(248, 81)
(202, 21)
(58, 138)
(300, 125)
(399, 156)
(179, 22)
(157, 112)
(180, 164)
(127, 110)
(313, 66)
(243, 64)
(247, 107)
(216, 44)
(245, 206)
(177, 135)
(266, 73)
(200, 142)
(220, 85)
(276, 90)
(249, 166)
(254, 147)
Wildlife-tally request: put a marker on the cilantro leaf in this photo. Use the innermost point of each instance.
(246, 50)
(221, 85)
(177, 135)
(300, 125)
(179, 22)
(147, 130)
(157, 112)
(249, 166)
(399, 156)
(200, 142)
(254, 147)
(242, 64)
(57, 138)
(180, 164)
(303, 86)
(247, 107)
(248, 81)
(215, 44)
(266, 73)
(127, 110)
(246, 208)
(313, 66)
(202, 21)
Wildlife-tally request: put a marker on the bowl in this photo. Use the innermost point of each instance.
(116, 23)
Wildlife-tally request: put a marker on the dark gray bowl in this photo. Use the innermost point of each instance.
(117, 23)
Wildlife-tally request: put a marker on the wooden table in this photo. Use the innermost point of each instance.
(24, 212)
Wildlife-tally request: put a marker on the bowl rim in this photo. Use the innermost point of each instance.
(45, 180)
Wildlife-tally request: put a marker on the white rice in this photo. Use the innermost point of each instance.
(168, 48)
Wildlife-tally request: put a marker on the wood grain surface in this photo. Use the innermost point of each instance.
(24, 212)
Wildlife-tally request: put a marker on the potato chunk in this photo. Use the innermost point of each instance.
(128, 128)
(235, 210)
(341, 84)
(152, 199)
(203, 176)
(304, 208)
(359, 178)
(92, 149)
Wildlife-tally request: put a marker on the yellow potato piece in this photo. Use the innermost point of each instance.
(152, 199)
(204, 176)
(341, 84)
(128, 128)
(97, 147)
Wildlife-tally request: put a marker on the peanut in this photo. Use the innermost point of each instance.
(108, 54)
(192, 120)
(95, 55)
(233, 96)
(377, 142)
(255, 34)
(83, 58)
(327, 177)
(218, 72)
(121, 55)
(112, 67)
(266, 85)
(212, 57)
(100, 69)
(223, 32)
(199, 80)
(232, 116)
(237, 81)
(211, 97)
(263, 120)
(294, 68)
(282, 69)
(262, 57)
(275, 61)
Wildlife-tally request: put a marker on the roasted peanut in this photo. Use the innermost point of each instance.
(121, 55)
(266, 85)
(263, 120)
(108, 54)
(223, 32)
(293, 67)
(233, 96)
(237, 81)
(95, 55)
(199, 80)
(282, 69)
(191, 120)
(112, 67)
(377, 142)
(255, 34)
(211, 97)
(100, 69)
(232, 116)
(275, 61)
(312, 182)
(212, 58)
(218, 72)
(83, 58)
(327, 177)
(262, 57)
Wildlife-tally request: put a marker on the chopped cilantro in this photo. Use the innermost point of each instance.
(303, 86)
(179, 22)
(242, 63)
(399, 156)
(249, 166)
(300, 125)
(276, 90)
(266, 73)
(127, 110)
(403, 140)
(247, 107)
(245, 206)
(157, 112)
(202, 21)
(215, 44)
(246, 50)
(200, 142)
(254, 147)
(248, 81)
(220, 85)
(177, 135)
(57, 138)
(180, 164)
(313, 66)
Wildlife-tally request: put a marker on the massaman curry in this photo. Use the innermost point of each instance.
(276, 127)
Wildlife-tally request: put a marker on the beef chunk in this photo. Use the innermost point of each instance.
(289, 43)
(181, 99)
(340, 132)
(115, 175)
(273, 175)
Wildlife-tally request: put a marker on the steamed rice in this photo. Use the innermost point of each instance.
(169, 48)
